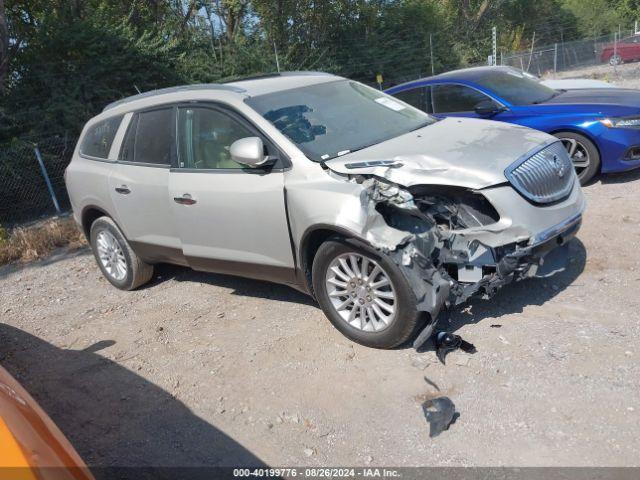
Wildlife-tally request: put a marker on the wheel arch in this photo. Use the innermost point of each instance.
(578, 131)
(90, 214)
(311, 240)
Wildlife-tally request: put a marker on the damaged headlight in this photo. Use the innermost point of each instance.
(622, 122)
(455, 208)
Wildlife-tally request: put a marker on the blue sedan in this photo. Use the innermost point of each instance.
(600, 128)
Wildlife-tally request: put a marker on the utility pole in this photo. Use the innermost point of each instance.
(433, 72)
(494, 56)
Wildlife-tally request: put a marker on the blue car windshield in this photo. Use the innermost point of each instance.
(330, 119)
(516, 88)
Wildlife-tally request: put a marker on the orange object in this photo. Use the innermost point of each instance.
(31, 446)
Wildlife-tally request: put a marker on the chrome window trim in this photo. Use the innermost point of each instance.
(96, 159)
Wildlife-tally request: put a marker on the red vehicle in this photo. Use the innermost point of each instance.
(626, 50)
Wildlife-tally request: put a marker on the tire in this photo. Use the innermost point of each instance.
(583, 147)
(367, 329)
(615, 60)
(124, 269)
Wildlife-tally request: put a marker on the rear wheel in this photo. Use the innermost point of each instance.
(615, 59)
(364, 294)
(583, 154)
(117, 261)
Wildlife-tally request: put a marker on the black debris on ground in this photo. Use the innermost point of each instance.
(440, 413)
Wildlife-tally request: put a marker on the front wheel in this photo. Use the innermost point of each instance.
(583, 154)
(116, 259)
(615, 60)
(364, 294)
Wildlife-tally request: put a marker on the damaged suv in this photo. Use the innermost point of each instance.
(383, 213)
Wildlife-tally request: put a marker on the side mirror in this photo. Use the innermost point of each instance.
(488, 108)
(250, 152)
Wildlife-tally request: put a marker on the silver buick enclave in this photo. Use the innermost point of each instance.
(382, 213)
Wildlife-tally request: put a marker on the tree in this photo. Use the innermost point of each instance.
(4, 46)
(594, 17)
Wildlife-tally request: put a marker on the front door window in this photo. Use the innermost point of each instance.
(205, 136)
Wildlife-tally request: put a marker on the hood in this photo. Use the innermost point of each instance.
(465, 152)
(623, 97)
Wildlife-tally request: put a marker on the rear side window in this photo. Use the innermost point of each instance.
(419, 97)
(150, 138)
(98, 139)
(450, 98)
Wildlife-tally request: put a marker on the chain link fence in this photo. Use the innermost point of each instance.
(32, 172)
(32, 168)
(562, 56)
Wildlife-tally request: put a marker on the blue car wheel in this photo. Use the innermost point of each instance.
(583, 154)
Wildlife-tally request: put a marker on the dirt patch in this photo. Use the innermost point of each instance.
(625, 76)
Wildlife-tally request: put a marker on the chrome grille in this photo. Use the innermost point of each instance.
(546, 176)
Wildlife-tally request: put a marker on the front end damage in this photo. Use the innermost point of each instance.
(431, 233)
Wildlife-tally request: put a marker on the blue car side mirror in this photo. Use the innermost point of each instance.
(488, 108)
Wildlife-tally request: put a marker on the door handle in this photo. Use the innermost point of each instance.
(185, 199)
(123, 189)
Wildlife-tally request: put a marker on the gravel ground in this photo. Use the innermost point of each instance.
(200, 369)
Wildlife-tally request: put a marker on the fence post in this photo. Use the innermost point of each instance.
(555, 58)
(47, 181)
(494, 50)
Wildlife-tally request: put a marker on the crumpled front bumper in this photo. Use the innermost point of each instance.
(544, 255)
(542, 245)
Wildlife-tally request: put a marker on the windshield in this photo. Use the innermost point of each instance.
(327, 120)
(515, 88)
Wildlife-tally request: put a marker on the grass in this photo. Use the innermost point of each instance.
(25, 244)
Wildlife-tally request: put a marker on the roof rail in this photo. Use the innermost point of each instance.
(277, 74)
(180, 88)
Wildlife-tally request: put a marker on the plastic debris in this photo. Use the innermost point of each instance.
(447, 342)
(440, 413)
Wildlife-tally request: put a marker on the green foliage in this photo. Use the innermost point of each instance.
(70, 58)
(595, 17)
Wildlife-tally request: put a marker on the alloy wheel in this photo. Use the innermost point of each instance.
(111, 255)
(578, 154)
(361, 292)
